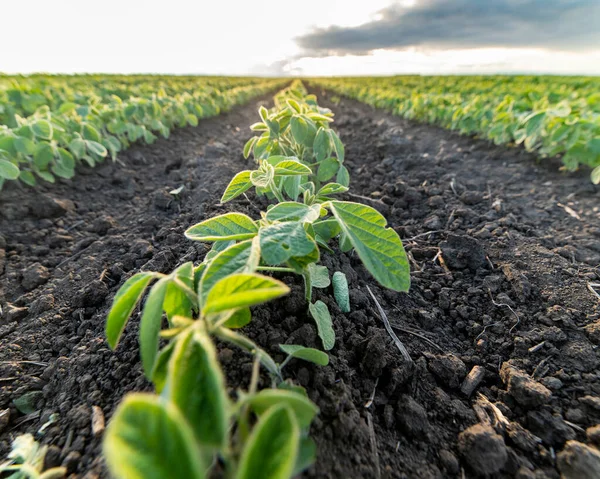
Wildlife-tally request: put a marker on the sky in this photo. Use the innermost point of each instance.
(310, 37)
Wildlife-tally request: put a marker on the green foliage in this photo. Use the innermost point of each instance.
(262, 433)
(340, 291)
(320, 314)
(49, 124)
(549, 116)
(148, 438)
(26, 461)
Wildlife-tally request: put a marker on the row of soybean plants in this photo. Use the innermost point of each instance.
(191, 425)
(89, 124)
(550, 116)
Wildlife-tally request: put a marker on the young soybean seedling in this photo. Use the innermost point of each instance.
(179, 432)
(288, 237)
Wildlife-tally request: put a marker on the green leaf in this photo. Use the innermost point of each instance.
(24, 145)
(249, 145)
(596, 175)
(279, 242)
(197, 388)
(123, 305)
(27, 403)
(307, 354)
(241, 291)
(294, 105)
(327, 229)
(65, 159)
(306, 455)
(8, 170)
(299, 129)
(321, 315)
(264, 113)
(42, 129)
(291, 168)
(90, 133)
(340, 291)
(240, 258)
(332, 189)
(534, 123)
(148, 438)
(77, 147)
(338, 146)
(379, 248)
(272, 449)
(322, 145)
(150, 325)
(96, 148)
(46, 176)
(291, 185)
(594, 145)
(327, 169)
(177, 302)
(319, 275)
(239, 319)
(263, 177)
(292, 211)
(238, 185)
(27, 177)
(259, 126)
(304, 410)
(161, 367)
(230, 226)
(43, 155)
(343, 176)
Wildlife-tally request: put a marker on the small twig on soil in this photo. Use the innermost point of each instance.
(440, 259)
(103, 274)
(408, 331)
(591, 287)
(98, 422)
(412, 238)
(411, 258)
(373, 445)
(453, 186)
(511, 310)
(574, 426)
(372, 396)
(498, 416)
(366, 198)
(536, 348)
(485, 328)
(76, 255)
(570, 211)
(541, 369)
(389, 329)
(472, 380)
(35, 363)
(450, 218)
(75, 225)
(30, 417)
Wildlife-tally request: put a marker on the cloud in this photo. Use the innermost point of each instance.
(568, 25)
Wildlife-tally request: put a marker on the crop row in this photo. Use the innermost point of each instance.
(191, 425)
(550, 116)
(24, 95)
(50, 143)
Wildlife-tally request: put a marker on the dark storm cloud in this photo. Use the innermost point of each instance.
(446, 24)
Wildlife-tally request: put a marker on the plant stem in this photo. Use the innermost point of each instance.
(275, 268)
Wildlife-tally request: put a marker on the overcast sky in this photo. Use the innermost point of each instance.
(311, 37)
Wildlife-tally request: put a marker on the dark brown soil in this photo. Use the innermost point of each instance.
(502, 252)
